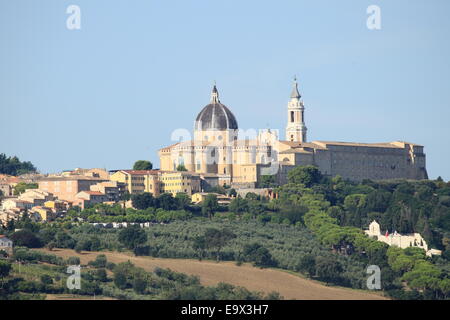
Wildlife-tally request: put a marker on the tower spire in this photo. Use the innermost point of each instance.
(295, 93)
(215, 94)
(296, 128)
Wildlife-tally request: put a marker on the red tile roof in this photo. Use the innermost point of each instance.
(140, 172)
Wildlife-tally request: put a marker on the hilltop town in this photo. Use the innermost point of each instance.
(313, 208)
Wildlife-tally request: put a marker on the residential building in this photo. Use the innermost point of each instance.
(57, 205)
(36, 196)
(13, 203)
(89, 198)
(94, 173)
(113, 189)
(179, 182)
(138, 181)
(6, 190)
(6, 244)
(40, 214)
(221, 198)
(66, 188)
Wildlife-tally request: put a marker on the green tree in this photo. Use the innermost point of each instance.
(268, 181)
(142, 165)
(46, 279)
(210, 205)
(306, 175)
(256, 208)
(132, 236)
(22, 186)
(199, 245)
(329, 269)
(238, 205)
(166, 201)
(13, 166)
(259, 255)
(100, 261)
(26, 238)
(307, 264)
(293, 213)
(120, 279)
(101, 275)
(73, 261)
(5, 268)
(139, 284)
(181, 167)
(182, 200)
(143, 201)
(217, 239)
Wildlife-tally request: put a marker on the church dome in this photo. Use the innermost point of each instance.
(215, 116)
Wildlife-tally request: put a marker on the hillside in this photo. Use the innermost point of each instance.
(255, 279)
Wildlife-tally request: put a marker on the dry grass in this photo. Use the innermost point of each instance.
(74, 297)
(290, 286)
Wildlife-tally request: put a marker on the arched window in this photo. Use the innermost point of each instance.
(292, 116)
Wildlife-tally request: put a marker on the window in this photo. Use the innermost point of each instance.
(292, 116)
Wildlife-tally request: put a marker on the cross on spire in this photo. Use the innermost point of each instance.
(215, 94)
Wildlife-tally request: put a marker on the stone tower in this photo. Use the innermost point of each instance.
(296, 128)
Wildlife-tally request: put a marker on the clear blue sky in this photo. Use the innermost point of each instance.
(112, 92)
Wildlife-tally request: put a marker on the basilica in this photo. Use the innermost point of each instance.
(220, 149)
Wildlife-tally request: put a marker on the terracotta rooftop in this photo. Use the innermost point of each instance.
(140, 172)
(68, 178)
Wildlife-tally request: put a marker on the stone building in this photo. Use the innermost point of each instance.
(219, 147)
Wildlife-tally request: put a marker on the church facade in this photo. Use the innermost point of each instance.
(240, 157)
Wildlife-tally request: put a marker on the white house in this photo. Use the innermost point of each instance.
(398, 240)
(6, 244)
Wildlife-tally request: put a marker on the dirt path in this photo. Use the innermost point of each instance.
(255, 279)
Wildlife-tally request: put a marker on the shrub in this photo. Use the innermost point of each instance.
(26, 238)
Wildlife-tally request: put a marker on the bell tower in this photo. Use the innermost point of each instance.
(296, 128)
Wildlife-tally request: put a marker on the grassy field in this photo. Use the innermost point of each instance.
(290, 286)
